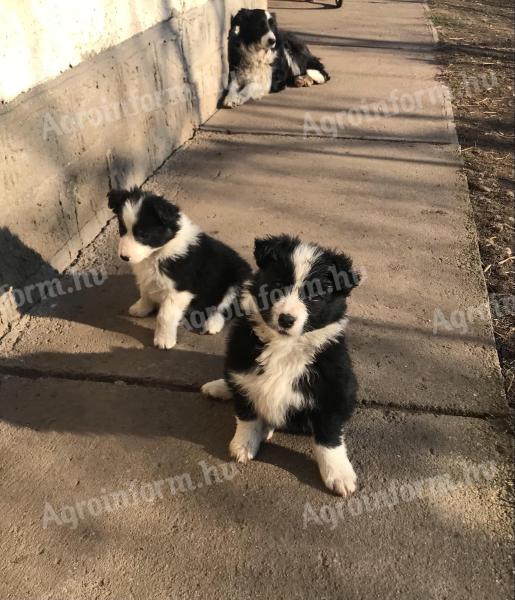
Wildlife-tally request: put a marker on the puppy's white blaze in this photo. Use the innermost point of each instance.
(130, 213)
(304, 256)
(284, 360)
(336, 469)
(128, 246)
(316, 76)
(247, 439)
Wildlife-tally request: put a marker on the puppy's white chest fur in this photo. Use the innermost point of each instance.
(151, 282)
(256, 69)
(272, 385)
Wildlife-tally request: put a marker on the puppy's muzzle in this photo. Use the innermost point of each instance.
(286, 321)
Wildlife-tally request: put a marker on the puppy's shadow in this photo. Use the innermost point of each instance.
(180, 419)
(295, 461)
(101, 300)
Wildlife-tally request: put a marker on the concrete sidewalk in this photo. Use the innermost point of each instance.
(88, 407)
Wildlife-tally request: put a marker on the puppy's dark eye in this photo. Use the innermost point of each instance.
(271, 21)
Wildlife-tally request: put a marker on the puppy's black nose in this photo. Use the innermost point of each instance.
(286, 321)
(125, 258)
(271, 42)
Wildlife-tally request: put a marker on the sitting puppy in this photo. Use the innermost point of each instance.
(287, 363)
(264, 59)
(177, 267)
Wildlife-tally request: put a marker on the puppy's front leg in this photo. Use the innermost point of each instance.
(142, 308)
(170, 313)
(246, 441)
(331, 455)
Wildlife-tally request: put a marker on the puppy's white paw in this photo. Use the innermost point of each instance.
(336, 470)
(342, 480)
(216, 389)
(141, 308)
(245, 443)
(214, 324)
(165, 340)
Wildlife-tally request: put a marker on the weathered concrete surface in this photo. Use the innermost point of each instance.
(40, 42)
(110, 121)
(398, 99)
(400, 210)
(360, 23)
(244, 536)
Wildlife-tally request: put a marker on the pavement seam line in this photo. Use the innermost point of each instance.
(34, 374)
(392, 140)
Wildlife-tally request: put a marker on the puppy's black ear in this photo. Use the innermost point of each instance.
(116, 199)
(166, 212)
(345, 277)
(267, 249)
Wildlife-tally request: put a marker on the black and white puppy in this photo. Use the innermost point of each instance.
(178, 268)
(287, 364)
(264, 59)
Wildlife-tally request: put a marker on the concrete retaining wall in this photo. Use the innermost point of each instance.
(110, 121)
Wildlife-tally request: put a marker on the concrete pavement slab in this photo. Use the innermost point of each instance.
(400, 210)
(139, 500)
(360, 23)
(371, 94)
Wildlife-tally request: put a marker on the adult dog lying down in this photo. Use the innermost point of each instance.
(264, 59)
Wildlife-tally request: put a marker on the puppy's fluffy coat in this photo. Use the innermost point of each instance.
(178, 268)
(287, 364)
(264, 59)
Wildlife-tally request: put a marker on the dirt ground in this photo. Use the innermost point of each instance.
(476, 54)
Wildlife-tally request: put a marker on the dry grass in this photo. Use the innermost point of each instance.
(476, 54)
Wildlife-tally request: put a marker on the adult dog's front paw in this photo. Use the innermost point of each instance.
(245, 443)
(231, 101)
(336, 470)
(165, 340)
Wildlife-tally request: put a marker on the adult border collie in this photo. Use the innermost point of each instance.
(178, 268)
(287, 364)
(264, 59)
